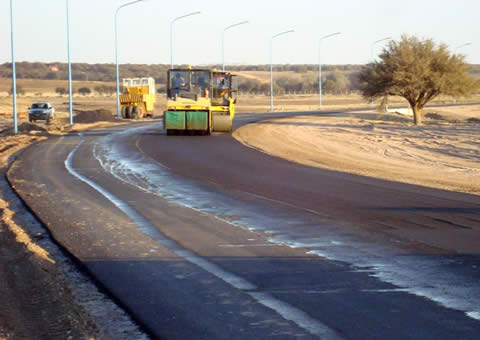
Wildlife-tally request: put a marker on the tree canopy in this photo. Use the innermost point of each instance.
(417, 70)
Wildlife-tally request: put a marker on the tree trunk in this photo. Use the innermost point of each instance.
(417, 115)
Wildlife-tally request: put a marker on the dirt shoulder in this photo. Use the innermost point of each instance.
(43, 295)
(443, 153)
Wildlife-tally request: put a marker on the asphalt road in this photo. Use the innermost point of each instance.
(204, 238)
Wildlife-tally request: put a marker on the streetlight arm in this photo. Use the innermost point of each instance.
(387, 38)
(127, 4)
(463, 45)
(330, 35)
(183, 16)
(237, 24)
(284, 32)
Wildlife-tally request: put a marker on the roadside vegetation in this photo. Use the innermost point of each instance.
(253, 79)
(419, 71)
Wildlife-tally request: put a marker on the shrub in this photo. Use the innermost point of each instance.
(84, 91)
(61, 90)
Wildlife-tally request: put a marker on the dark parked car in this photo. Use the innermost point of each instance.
(41, 111)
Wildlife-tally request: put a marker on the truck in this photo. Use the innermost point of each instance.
(41, 111)
(199, 101)
(138, 98)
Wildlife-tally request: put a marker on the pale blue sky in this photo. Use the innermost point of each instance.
(40, 33)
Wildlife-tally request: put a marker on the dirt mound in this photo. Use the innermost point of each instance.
(85, 117)
(27, 127)
(473, 120)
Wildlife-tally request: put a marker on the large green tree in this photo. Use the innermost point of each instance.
(417, 70)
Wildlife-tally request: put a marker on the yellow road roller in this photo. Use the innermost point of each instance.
(199, 101)
(138, 98)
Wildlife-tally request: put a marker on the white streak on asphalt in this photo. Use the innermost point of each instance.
(474, 315)
(247, 245)
(287, 311)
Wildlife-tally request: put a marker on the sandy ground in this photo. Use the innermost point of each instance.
(43, 295)
(443, 153)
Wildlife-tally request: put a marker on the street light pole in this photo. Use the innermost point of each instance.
(271, 65)
(171, 33)
(373, 45)
(320, 66)
(116, 52)
(14, 74)
(463, 45)
(70, 104)
(223, 40)
(372, 58)
(455, 51)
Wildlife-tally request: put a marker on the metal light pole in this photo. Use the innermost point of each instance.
(271, 65)
(463, 45)
(373, 45)
(372, 58)
(223, 40)
(70, 104)
(320, 66)
(116, 52)
(14, 74)
(171, 33)
(455, 51)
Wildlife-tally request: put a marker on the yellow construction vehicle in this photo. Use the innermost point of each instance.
(138, 98)
(199, 101)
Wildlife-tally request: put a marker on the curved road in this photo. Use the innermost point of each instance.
(202, 237)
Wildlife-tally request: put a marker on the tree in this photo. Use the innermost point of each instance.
(417, 70)
(105, 89)
(61, 90)
(84, 91)
(336, 83)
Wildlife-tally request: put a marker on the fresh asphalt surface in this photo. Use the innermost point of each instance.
(191, 265)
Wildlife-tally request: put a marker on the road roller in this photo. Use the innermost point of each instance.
(138, 98)
(199, 101)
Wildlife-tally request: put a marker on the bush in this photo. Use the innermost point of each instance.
(105, 89)
(61, 90)
(84, 91)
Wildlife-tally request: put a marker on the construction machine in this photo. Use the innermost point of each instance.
(199, 101)
(138, 98)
